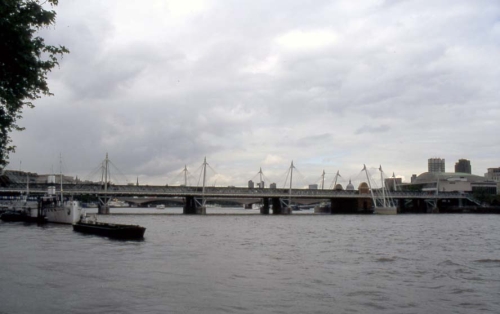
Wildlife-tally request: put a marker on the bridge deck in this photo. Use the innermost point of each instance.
(211, 192)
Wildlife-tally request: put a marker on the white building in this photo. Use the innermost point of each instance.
(493, 174)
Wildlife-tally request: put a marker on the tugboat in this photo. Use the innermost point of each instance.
(116, 231)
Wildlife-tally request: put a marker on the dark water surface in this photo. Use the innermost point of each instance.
(257, 264)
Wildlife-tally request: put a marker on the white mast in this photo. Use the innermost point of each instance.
(290, 193)
(382, 185)
(106, 174)
(260, 182)
(27, 186)
(204, 177)
(185, 175)
(60, 169)
(323, 179)
(335, 182)
(437, 183)
(370, 186)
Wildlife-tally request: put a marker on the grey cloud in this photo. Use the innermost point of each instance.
(158, 102)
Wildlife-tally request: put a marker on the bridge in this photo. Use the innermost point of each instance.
(194, 198)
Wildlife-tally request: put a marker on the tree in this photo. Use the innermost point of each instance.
(25, 61)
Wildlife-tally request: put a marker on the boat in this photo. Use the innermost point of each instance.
(110, 230)
(323, 208)
(22, 209)
(66, 211)
(27, 213)
(117, 203)
(56, 208)
(13, 215)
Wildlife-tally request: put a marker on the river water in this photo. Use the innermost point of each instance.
(256, 264)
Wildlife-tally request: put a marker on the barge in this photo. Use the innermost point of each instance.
(110, 230)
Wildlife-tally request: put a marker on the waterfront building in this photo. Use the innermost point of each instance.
(272, 186)
(250, 184)
(493, 174)
(463, 166)
(436, 165)
(451, 182)
(313, 186)
(16, 176)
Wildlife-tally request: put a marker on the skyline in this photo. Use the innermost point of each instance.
(96, 175)
(254, 84)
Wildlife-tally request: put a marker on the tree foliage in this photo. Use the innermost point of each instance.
(25, 61)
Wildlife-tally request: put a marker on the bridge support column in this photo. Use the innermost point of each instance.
(192, 208)
(349, 206)
(103, 209)
(264, 210)
(278, 209)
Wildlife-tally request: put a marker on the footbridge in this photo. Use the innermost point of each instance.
(280, 200)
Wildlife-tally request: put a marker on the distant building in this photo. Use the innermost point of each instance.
(250, 184)
(350, 186)
(463, 166)
(436, 165)
(313, 186)
(392, 183)
(261, 185)
(272, 185)
(413, 178)
(493, 174)
(451, 182)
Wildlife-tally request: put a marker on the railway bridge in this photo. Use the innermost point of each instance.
(277, 201)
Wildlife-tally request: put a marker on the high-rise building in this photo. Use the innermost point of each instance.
(436, 165)
(463, 165)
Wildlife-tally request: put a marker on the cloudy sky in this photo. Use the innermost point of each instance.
(331, 85)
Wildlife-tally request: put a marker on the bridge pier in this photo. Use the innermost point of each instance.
(191, 208)
(345, 206)
(264, 210)
(278, 209)
(412, 205)
(103, 209)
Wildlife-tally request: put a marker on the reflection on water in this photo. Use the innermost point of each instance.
(178, 210)
(256, 264)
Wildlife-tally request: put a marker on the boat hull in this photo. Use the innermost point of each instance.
(69, 212)
(12, 216)
(115, 231)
